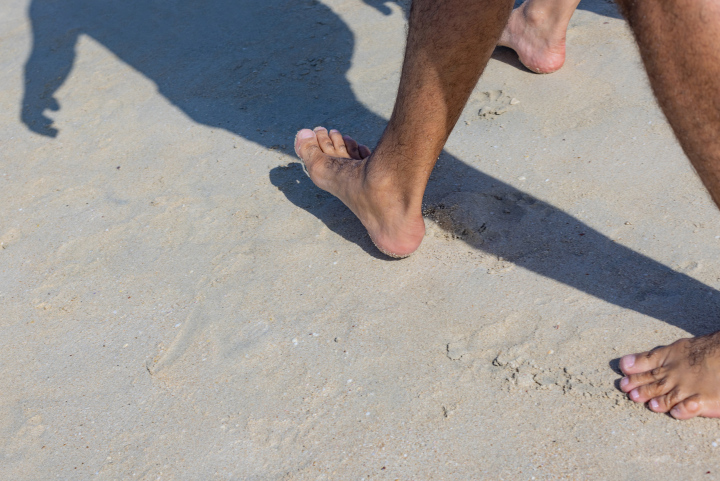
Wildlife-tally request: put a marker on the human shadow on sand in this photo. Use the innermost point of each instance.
(264, 69)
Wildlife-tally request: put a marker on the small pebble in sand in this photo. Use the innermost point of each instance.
(514, 101)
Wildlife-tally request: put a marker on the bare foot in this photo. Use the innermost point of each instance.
(538, 36)
(682, 378)
(337, 164)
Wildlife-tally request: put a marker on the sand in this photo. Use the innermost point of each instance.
(180, 302)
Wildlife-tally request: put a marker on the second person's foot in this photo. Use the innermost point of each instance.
(538, 36)
(682, 378)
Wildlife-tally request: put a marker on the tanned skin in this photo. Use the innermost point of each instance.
(449, 44)
(679, 43)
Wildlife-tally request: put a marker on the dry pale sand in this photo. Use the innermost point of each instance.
(180, 302)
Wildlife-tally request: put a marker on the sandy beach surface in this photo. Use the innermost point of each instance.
(180, 302)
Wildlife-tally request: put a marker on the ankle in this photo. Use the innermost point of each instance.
(383, 182)
(546, 19)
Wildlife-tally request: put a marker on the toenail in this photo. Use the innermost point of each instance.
(624, 382)
(305, 134)
(319, 128)
(634, 394)
(654, 404)
(334, 131)
(629, 360)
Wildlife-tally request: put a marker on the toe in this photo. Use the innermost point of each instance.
(338, 143)
(352, 147)
(364, 151)
(664, 403)
(633, 381)
(324, 141)
(646, 392)
(306, 145)
(644, 361)
(686, 409)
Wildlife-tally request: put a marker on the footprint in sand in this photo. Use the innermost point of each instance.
(510, 353)
(25, 436)
(488, 105)
(519, 372)
(484, 344)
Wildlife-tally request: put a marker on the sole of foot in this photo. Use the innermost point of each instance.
(339, 165)
(682, 378)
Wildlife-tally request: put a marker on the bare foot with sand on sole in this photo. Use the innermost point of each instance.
(340, 166)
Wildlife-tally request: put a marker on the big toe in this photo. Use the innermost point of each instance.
(642, 362)
(626, 362)
(306, 145)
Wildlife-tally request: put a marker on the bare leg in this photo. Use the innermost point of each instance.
(679, 40)
(536, 31)
(449, 43)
